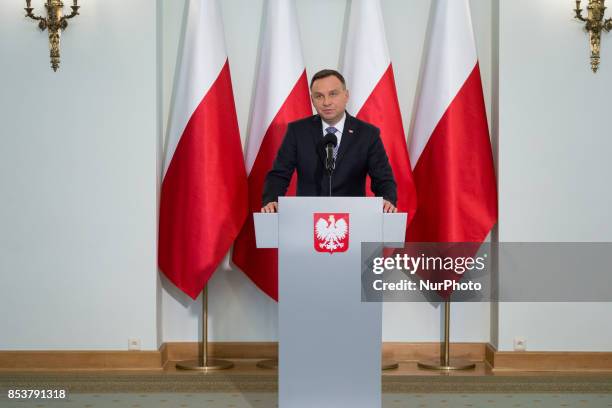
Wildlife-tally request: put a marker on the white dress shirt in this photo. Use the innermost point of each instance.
(339, 128)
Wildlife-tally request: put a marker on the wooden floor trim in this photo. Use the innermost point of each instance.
(548, 360)
(76, 360)
(424, 351)
(175, 351)
(269, 350)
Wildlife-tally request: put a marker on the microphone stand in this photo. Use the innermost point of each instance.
(331, 172)
(330, 164)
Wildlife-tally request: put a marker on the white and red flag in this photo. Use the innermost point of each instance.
(204, 191)
(373, 97)
(450, 147)
(281, 96)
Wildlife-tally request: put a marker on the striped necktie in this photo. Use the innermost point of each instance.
(333, 130)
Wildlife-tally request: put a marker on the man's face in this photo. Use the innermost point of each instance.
(329, 98)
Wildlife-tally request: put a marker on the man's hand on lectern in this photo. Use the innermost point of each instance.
(388, 207)
(271, 207)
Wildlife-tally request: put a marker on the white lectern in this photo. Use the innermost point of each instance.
(329, 340)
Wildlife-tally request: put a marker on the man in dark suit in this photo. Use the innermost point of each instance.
(359, 151)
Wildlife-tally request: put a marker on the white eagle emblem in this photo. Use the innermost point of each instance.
(331, 232)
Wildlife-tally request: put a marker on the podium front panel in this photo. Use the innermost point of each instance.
(329, 341)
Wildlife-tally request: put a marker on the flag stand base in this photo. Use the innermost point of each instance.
(445, 363)
(389, 365)
(210, 365)
(204, 363)
(441, 365)
(268, 364)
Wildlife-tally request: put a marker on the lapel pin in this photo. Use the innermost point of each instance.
(350, 130)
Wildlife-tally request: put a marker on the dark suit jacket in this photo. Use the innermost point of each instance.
(361, 153)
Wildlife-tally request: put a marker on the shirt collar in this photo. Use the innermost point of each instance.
(339, 125)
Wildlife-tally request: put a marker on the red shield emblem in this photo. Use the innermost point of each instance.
(331, 232)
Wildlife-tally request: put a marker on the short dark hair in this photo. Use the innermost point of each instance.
(324, 73)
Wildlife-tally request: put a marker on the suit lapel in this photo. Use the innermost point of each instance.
(317, 136)
(348, 137)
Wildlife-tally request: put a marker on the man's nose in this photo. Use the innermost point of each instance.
(326, 100)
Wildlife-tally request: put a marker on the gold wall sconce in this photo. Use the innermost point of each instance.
(595, 24)
(55, 22)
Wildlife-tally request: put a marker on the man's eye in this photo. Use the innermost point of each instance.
(333, 94)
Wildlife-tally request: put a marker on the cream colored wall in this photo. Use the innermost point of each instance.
(77, 180)
(554, 169)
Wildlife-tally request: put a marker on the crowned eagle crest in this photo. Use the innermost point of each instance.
(331, 232)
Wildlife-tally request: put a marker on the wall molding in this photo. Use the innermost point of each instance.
(175, 351)
(548, 360)
(399, 351)
(77, 360)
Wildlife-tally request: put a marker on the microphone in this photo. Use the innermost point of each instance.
(329, 142)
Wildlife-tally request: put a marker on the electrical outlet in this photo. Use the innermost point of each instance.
(133, 344)
(520, 344)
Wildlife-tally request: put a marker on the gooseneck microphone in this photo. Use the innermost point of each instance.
(330, 141)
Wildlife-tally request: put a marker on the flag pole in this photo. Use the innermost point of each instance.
(204, 363)
(445, 363)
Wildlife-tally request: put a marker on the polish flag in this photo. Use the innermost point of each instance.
(281, 96)
(204, 189)
(373, 97)
(450, 146)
